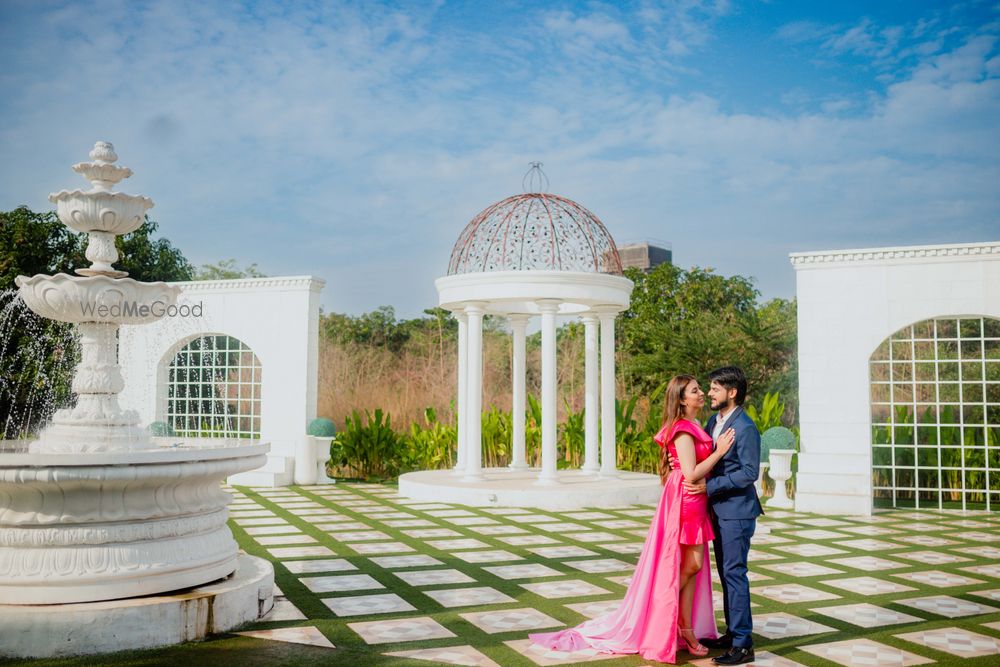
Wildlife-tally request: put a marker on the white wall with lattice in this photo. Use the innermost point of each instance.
(275, 321)
(849, 302)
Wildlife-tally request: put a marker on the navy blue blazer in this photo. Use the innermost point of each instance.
(731, 492)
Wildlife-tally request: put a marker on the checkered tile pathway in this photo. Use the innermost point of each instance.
(386, 578)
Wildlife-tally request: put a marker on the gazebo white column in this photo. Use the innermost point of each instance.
(548, 309)
(461, 400)
(609, 455)
(591, 391)
(518, 326)
(474, 393)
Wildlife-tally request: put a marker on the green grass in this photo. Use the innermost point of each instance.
(352, 650)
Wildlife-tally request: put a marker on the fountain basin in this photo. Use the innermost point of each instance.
(60, 630)
(75, 299)
(108, 525)
(95, 211)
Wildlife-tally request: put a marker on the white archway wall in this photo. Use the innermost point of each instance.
(848, 303)
(277, 318)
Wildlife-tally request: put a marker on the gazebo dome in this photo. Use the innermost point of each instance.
(535, 232)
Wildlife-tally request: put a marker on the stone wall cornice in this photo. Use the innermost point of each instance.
(916, 254)
(272, 283)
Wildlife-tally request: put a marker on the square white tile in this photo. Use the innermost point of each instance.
(364, 605)
(511, 620)
(394, 562)
(434, 577)
(395, 630)
(321, 565)
(468, 597)
(791, 593)
(866, 615)
(945, 605)
(780, 625)
(380, 547)
(864, 653)
(340, 583)
(957, 641)
(564, 589)
(526, 571)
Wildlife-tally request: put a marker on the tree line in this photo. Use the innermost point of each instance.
(680, 321)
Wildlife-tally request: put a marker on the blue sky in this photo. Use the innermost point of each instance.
(353, 141)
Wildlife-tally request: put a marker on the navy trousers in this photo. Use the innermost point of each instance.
(732, 544)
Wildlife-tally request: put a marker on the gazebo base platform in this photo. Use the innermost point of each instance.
(57, 630)
(504, 487)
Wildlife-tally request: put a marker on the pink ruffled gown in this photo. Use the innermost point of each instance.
(646, 621)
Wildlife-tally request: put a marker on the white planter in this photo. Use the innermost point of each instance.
(305, 460)
(321, 445)
(311, 454)
(780, 471)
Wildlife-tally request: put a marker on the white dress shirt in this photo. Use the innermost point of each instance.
(720, 422)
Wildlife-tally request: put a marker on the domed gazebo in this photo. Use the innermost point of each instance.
(535, 254)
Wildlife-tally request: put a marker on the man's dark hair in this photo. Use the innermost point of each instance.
(731, 377)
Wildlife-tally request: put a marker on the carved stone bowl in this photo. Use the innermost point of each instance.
(76, 299)
(113, 212)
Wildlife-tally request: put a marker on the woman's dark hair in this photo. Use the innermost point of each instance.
(731, 377)
(672, 411)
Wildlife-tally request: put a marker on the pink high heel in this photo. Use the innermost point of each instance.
(694, 647)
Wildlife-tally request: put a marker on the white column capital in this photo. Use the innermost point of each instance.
(518, 319)
(475, 307)
(548, 305)
(589, 317)
(605, 311)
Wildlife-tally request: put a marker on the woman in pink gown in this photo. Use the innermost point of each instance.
(670, 595)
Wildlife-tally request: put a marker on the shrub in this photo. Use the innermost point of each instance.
(777, 437)
(431, 446)
(321, 428)
(772, 409)
(368, 445)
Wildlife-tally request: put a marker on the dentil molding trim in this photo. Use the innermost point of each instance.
(905, 253)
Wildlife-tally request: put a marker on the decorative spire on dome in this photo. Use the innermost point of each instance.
(534, 176)
(535, 231)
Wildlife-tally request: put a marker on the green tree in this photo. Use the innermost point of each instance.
(692, 321)
(379, 328)
(227, 269)
(37, 355)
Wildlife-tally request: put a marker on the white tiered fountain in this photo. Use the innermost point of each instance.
(94, 512)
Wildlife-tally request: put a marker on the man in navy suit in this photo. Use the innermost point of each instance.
(735, 508)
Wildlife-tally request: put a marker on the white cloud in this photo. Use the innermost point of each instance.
(355, 143)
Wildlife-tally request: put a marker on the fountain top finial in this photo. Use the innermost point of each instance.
(102, 173)
(103, 152)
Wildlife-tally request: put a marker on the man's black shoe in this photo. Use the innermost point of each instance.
(725, 641)
(735, 656)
